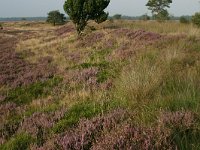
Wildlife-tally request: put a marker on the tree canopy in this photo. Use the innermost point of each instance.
(81, 11)
(55, 17)
(158, 8)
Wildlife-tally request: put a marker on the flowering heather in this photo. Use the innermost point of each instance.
(85, 135)
(64, 30)
(178, 119)
(6, 110)
(110, 43)
(87, 76)
(14, 71)
(139, 35)
(41, 120)
(90, 40)
(134, 138)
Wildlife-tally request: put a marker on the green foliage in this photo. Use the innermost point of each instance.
(145, 17)
(158, 9)
(184, 20)
(25, 94)
(81, 11)
(162, 16)
(18, 142)
(86, 109)
(55, 17)
(117, 16)
(186, 139)
(196, 19)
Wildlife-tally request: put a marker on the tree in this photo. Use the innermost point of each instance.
(196, 19)
(158, 8)
(81, 11)
(55, 17)
(117, 16)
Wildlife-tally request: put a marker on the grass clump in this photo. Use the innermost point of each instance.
(161, 79)
(18, 142)
(186, 139)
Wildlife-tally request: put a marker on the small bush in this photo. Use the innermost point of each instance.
(184, 20)
(19, 142)
(196, 19)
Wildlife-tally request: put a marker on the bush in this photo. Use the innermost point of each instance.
(196, 19)
(145, 17)
(117, 17)
(184, 20)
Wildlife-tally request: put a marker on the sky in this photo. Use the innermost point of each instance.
(40, 8)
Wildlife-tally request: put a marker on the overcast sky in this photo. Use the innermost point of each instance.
(31, 8)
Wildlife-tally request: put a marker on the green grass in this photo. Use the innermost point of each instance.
(186, 139)
(158, 79)
(18, 142)
(25, 94)
(86, 109)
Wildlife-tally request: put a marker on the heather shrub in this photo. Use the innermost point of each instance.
(15, 71)
(9, 128)
(132, 137)
(18, 142)
(87, 131)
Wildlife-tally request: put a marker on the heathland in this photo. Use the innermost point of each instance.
(122, 85)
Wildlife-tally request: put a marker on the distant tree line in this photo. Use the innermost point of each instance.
(81, 11)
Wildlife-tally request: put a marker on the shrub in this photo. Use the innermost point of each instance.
(145, 17)
(117, 16)
(184, 20)
(196, 19)
(88, 131)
